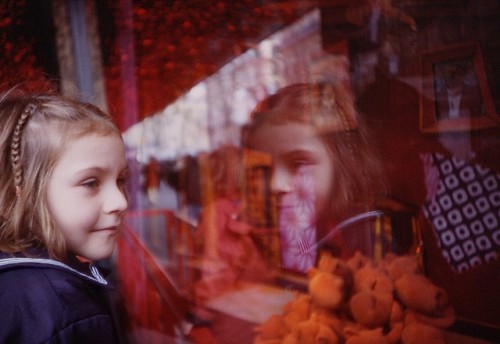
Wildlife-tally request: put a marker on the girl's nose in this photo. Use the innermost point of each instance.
(281, 181)
(116, 201)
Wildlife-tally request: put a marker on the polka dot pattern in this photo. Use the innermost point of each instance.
(465, 212)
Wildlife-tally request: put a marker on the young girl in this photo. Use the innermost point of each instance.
(324, 171)
(62, 199)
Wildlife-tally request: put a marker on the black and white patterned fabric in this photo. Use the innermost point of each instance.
(465, 212)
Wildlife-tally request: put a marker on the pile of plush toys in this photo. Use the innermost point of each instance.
(359, 301)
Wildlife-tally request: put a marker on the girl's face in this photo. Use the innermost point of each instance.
(86, 195)
(297, 153)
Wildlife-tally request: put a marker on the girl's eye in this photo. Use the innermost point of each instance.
(298, 163)
(91, 183)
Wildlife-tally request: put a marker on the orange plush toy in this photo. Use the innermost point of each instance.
(363, 301)
(327, 290)
(425, 302)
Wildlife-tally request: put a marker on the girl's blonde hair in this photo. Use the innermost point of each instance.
(329, 108)
(35, 128)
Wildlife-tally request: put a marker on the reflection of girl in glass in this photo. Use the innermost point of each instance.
(324, 170)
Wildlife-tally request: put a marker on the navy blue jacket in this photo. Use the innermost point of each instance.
(45, 301)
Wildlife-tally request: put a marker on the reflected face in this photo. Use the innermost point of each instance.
(86, 194)
(296, 151)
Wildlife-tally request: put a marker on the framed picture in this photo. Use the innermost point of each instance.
(454, 93)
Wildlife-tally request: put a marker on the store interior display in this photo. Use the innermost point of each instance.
(181, 78)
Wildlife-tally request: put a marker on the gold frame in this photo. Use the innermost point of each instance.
(431, 63)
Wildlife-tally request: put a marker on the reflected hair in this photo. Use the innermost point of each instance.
(35, 128)
(329, 108)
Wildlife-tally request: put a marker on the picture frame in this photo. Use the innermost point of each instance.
(454, 95)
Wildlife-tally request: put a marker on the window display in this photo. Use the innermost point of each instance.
(228, 221)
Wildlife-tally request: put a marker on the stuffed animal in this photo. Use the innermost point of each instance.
(419, 293)
(357, 261)
(313, 332)
(371, 277)
(397, 266)
(363, 301)
(272, 330)
(296, 311)
(364, 336)
(371, 308)
(327, 290)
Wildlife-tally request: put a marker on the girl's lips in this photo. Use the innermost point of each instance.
(287, 204)
(285, 207)
(112, 229)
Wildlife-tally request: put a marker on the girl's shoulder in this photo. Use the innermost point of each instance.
(47, 284)
(50, 294)
(29, 280)
(84, 271)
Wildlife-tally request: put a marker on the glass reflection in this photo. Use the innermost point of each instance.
(183, 77)
(324, 169)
